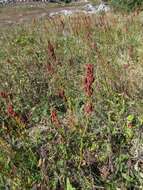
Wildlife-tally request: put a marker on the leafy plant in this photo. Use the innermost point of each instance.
(69, 186)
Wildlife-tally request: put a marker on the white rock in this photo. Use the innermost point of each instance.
(103, 7)
(87, 9)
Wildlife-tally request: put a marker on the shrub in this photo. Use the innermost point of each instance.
(128, 5)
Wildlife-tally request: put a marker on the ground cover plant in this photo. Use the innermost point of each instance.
(71, 107)
(128, 5)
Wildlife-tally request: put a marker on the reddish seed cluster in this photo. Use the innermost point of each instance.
(10, 111)
(94, 46)
(61, 94)
(3, 95)
(130, 125)
(54, 118)
(50, 69)
(51, 51)
(89, 79)
(126, 66)
(88, 109)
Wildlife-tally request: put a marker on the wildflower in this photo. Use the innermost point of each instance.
(4, 95)
(89, 79)
(10, 111)
(51, 51)
(54, 118)
(50, 69)
(94, 45)
(104, 171)
(130, 125)
(126, 66)
(61, 94)
(88, 109)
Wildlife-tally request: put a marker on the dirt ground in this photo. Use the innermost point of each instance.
(25, 12)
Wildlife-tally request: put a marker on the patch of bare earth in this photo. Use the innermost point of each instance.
(19, 13)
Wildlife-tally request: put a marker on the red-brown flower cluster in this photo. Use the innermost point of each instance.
(89, 79)
(10, 111)
(51, 51)
(50, 68)
(54, 118)
(88, 109)
(62, 95)
(3, 95)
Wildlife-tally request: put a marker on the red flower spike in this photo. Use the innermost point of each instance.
(61, 94)
(50, 69)
(51, 51)
(11, 111)
(88, 109)
(54, 118)
(4, 95)
(89, 79)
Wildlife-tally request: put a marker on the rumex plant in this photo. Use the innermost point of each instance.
(3, 95)
(51, 51)
(10, 111)
(54, 118)
(88, 81)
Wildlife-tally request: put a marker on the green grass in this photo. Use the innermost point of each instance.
(127, 5)
(53, 134)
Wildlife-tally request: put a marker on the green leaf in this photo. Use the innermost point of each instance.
(129, 133)
(130, 118)
(69, 186)
(127, 177)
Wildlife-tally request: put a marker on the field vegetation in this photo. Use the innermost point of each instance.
(71, 103)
